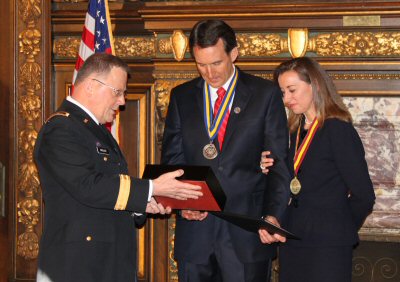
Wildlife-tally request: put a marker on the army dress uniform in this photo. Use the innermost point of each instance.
(89, 199)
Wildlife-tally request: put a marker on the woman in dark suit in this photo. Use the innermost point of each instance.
(331, 191)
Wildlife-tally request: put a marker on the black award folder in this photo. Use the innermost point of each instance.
(213, 198)
(253, 224)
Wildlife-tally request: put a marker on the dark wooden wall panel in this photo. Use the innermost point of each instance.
(5, 104)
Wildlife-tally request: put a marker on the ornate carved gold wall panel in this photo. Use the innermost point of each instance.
(29, 105)
(30, 87)
(296, 42)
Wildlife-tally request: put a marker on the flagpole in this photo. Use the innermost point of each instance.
(115, 125)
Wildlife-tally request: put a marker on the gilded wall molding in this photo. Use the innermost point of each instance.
(348, 76)
(176, 75)
(162, 91)
(365, 76)
(264, 45)
(66, 47)
(172, 264)
(296, 43)
(29, 110)
(179, 43)
(125, 47)
(141, 47)
(77, 1)
(357, 44)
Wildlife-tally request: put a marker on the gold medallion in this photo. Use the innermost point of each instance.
(210, 151)
(295, 186)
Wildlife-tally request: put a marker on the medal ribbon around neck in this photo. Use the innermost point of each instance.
(302, 151)
(213, 125)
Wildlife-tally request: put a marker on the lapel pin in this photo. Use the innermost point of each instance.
(236, 110)
(85, 120)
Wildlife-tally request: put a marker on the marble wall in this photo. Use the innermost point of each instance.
(377, 120)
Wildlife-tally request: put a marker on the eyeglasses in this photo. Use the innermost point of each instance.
(117, 92)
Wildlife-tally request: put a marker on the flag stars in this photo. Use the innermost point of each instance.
(98, 33)
(102, 19)
(98, 13)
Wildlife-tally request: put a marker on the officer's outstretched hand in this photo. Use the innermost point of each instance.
(166, 185)
(154, 207)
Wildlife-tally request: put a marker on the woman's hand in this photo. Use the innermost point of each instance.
(266, 162)
(266, 237)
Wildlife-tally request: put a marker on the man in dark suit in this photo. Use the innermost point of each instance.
(227, 129)
(91, 203)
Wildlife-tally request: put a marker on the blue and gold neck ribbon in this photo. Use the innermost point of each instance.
(213, 125)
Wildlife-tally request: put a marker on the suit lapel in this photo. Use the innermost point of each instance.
(240, 101)
(200, 106)
(199, 96)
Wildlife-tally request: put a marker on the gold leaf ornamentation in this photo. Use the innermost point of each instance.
(29, 11)
(29, 42)
(28, 212)
(30, 76)
(165, 46)
(28, 242)
(179, 43)
(28, 181)
(172, 264)
(297, 41)
(28, 245)
(357, 44)
(66, 47)
(260, 44)
(143, 47)
(162, 93)
(30, 107)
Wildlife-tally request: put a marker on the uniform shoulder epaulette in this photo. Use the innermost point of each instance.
(56, 114)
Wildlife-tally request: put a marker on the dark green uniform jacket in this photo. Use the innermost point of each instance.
(89, 230)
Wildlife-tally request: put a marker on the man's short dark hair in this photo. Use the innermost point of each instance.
(100, 63)
(206, 33)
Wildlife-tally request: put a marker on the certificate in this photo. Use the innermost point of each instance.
(253, 224)
(213, 198)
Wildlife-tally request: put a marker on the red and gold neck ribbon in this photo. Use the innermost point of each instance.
(302, 151)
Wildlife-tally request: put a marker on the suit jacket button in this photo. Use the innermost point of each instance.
(220, 168)
(88, 238)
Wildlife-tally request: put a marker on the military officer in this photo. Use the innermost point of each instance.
(91, 204)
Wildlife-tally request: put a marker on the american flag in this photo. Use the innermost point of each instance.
(97, 37)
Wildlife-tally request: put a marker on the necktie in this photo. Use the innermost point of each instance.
(221, 133)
